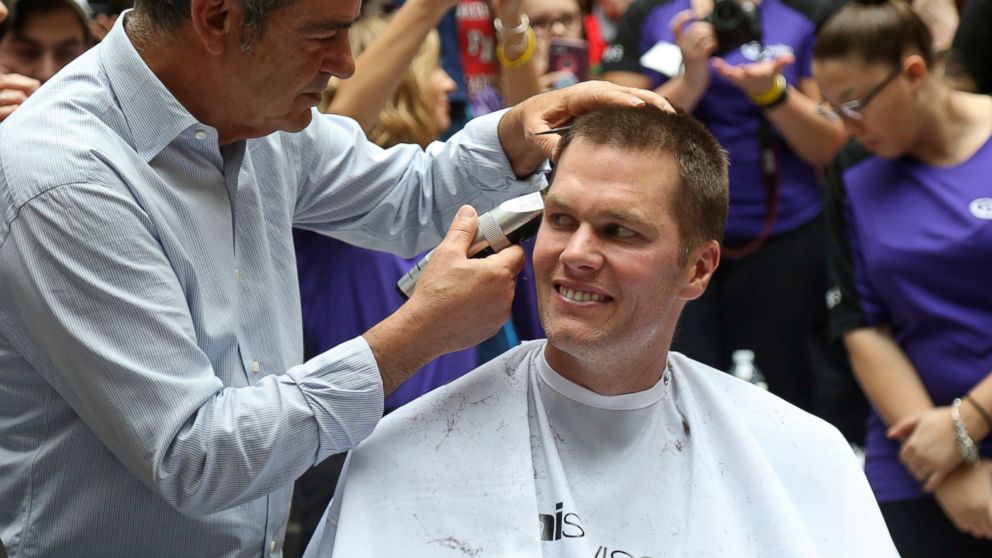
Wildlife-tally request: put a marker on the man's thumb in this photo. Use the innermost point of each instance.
(462, 229)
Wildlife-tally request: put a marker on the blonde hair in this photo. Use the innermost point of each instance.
(410, 115)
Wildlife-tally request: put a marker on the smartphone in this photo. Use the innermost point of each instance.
(570, 55)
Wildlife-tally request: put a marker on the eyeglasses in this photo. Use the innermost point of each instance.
(854, 109)
(545, 24)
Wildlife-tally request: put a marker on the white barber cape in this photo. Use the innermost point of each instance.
(513, 460)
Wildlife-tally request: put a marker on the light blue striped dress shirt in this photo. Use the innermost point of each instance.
(153, 399)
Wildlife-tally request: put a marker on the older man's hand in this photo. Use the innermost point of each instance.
(519, 128)
(458, 302)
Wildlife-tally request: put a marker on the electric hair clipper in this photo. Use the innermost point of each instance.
(511, 222)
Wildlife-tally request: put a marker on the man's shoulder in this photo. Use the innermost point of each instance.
(50, 140)
(766, 416)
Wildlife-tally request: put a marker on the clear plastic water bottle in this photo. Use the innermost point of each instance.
(745, 369)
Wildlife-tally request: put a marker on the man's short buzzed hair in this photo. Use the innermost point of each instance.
(169, 15)
(701, 200)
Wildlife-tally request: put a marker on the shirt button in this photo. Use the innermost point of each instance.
(272, 546)
(256, 367)
(200, 135)
(237, 273)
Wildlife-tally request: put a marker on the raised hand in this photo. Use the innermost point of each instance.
(14, 90)
(754, 78)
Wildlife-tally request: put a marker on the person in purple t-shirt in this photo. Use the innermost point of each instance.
(759, 99)
(910, 217)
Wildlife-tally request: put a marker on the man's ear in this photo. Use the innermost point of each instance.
(916, 68)
(215, 21)
(703, 261)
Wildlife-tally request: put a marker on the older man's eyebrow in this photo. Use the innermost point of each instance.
(329, 25)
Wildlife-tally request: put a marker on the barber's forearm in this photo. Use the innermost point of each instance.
(886, 374)
(397, 348)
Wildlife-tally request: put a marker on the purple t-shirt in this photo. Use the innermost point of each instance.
(919, 248)
(345, 290)
(730, 115)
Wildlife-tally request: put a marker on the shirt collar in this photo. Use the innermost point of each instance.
(153, 114)
(585, 396)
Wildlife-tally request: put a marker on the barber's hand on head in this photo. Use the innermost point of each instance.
(14, 90)
(966, 498)
(458, 302)
(929, 449)
(697, 41)
(754, 78)
(519, 127)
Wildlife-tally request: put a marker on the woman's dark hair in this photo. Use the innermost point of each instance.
(875, 31)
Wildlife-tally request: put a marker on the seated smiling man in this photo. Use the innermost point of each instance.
(599, 442)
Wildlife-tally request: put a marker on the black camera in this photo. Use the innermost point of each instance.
(735, 23)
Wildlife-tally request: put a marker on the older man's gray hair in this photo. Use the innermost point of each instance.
(169, 15)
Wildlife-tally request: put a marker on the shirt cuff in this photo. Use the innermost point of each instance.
(343, 388)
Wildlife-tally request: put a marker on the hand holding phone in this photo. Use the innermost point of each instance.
(568, 56)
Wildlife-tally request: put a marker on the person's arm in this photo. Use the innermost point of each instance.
(379, 70)
(434, 322)
(91, 301)
(966, 498)
(886, 375)
(696, 41)
(929, 446)
(815, 139)
(519, 81)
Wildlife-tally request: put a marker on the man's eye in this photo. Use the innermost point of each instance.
(620, 232)
(325, 36)
(558, 220)
(27, 53)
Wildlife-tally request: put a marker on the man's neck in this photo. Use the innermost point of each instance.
(613, 372)
(182, 65)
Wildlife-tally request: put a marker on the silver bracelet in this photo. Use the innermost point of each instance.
(966, 446)
(524, 24)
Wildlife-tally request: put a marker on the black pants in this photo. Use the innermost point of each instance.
(772, 302)
(921, 530)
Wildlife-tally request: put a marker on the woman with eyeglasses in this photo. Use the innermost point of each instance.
(909, 212)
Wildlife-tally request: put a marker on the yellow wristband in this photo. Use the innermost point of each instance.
(524, 58)
(777, 91)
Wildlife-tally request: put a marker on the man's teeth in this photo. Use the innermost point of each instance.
(580, 296)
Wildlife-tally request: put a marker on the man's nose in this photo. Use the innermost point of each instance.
(558, 29)
(338, 60)
(582, 251)
(46, 68)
